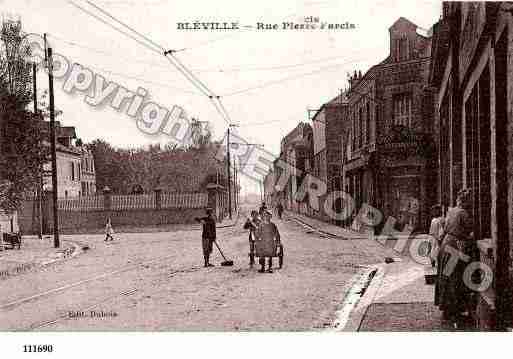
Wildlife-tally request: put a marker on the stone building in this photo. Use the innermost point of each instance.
(329, 134)
(269, 186)
(388, 162)
(75, 166)
(87, 173)
(296, 151)
(471, 71)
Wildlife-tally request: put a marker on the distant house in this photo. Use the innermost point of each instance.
(75, 166)
(8, 222)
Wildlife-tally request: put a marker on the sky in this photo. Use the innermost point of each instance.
(266, 79)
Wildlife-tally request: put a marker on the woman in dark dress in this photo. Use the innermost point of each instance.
(452, 296)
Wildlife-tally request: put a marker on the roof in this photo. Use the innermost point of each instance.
(403, 21)
(66, 131)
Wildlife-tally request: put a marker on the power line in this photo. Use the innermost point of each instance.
(112, 26)
(104, 52)
(143, 80)
(265, 123)
(182, 68)
(289, 78)
(176, 63)
(128, 76)
(242, 68)
(125, 25)
(273, 67)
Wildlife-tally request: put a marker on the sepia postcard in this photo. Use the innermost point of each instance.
(191, 169)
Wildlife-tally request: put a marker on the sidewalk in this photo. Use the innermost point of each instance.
(397, 297)
(33, 255)
(324, 227)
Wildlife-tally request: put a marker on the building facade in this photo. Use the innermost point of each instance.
(87, 173)
(471, 71)
(269, 187)
(296, 151)
(389, 157)
(75, 166)
(329, 133)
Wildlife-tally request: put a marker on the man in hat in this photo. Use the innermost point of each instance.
(262, 209)
(208, 236)
(269, 237)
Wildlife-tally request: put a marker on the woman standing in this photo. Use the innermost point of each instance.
(452, 296)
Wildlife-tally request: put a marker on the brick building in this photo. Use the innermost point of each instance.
(296, 151)
(471, 71)
(269, 187)
(389, 161)
(329, 131)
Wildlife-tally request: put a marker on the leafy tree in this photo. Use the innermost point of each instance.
(22, 152)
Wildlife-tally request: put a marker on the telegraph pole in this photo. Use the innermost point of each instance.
(40, 191)
(229, 174)
(56, 241)
(236, 180)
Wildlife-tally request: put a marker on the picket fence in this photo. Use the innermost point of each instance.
(133, 202)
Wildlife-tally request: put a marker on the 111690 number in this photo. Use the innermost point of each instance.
(38, 348)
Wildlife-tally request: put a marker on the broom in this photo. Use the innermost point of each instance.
(226, 262)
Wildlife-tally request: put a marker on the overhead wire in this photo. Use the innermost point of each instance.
(288, 78)
(125, 25)
(178, 65)
(112, 26)
(181, 68)
(236, 69)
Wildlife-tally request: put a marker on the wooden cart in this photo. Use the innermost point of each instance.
(267, 248)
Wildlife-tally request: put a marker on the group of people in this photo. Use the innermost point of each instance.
(264, 238)
(454, 234)
(260, 228)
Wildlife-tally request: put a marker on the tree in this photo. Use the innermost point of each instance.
(22, 152)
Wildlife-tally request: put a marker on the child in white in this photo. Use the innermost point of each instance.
(109, 231)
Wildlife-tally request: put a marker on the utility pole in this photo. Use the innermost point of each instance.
(49, 63)
(40, 190)
(229, 174)
(235, 184)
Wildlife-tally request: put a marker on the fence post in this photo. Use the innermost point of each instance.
(107, 199)
(158, 198)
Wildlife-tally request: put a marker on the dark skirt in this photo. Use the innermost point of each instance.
(451, 293)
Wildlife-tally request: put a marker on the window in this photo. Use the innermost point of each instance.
(72, 170)
(353, 132)
(360, 125)
(402, 50)
(402, 109)
(367, 125)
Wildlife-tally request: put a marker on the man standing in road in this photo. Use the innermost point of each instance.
(208, 236)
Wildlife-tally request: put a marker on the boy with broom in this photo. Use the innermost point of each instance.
(208, 236)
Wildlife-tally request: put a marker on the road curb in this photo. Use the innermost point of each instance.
(76, 249)
(356, 316)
